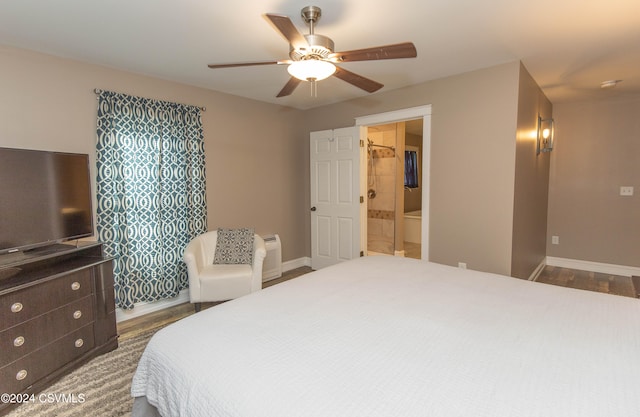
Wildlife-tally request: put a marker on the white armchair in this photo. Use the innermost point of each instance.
(220, 282)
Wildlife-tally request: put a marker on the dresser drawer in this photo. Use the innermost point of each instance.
(26, 337)
(25, 304)
(19, 375)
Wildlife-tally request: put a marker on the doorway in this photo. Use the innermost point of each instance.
(394, 189)
(395, 216)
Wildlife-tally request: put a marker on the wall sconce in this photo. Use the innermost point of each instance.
(545, 135)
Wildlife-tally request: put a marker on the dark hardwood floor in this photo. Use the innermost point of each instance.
(586, 280)
(636, 284)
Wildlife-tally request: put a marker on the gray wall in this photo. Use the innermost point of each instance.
(597, 151)
(531, 182)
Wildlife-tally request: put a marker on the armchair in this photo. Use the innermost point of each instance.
(210, 282)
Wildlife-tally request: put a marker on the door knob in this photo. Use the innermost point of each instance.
(313, 208)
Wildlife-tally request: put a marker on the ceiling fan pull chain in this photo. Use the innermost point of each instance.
(314, 87)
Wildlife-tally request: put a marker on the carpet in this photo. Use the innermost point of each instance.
(101, 387)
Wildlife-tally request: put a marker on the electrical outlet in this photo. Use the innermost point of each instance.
(555, 240)
(626, 190)
(462, 265)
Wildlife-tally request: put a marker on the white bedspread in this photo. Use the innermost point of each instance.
(388, 336)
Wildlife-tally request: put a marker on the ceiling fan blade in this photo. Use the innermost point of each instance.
(357, 80)
(289, 87)
(398, 50)
(247, 64)
(285, 26)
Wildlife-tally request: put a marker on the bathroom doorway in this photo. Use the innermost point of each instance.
(394, 188)
(416, 121)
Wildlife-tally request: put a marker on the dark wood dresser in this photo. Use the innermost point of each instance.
(57, 311)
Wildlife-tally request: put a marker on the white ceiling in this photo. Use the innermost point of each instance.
(568, 46)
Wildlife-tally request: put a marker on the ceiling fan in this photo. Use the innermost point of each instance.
(313, 57)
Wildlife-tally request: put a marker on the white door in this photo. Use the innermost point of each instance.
(335, 196)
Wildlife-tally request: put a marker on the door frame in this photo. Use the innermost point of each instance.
(411, 113)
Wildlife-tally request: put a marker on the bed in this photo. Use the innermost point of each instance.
(389, 336)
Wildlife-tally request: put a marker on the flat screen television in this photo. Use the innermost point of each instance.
(45, 198)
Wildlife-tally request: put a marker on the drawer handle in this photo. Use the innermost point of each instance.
(77, 314)
(16, 307)
(79, 343)
(75, 285)
(22, 374)
(18, 341)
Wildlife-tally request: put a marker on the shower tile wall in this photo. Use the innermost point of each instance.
(381, 209)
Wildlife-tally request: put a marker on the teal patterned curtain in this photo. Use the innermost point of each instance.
(151, 192)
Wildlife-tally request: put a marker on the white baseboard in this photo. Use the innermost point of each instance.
(536, 272)
(140, 309)
(603, 268)
(296, 263)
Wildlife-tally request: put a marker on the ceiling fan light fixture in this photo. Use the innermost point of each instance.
(311, 69)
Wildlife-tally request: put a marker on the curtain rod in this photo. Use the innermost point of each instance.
(98, 91)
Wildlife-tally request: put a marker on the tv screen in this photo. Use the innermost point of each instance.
(45, 197)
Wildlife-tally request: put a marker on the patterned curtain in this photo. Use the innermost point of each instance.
(151, 192)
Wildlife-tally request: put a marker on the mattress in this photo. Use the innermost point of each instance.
(390, 336)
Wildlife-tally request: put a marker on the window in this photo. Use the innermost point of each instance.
(150, 192)
(411, 173)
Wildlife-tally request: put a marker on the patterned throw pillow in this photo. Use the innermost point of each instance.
(234, 246)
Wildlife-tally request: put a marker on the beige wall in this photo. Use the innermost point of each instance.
(472, 159)
(255, 152)
(531, 181)
(597, 151)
